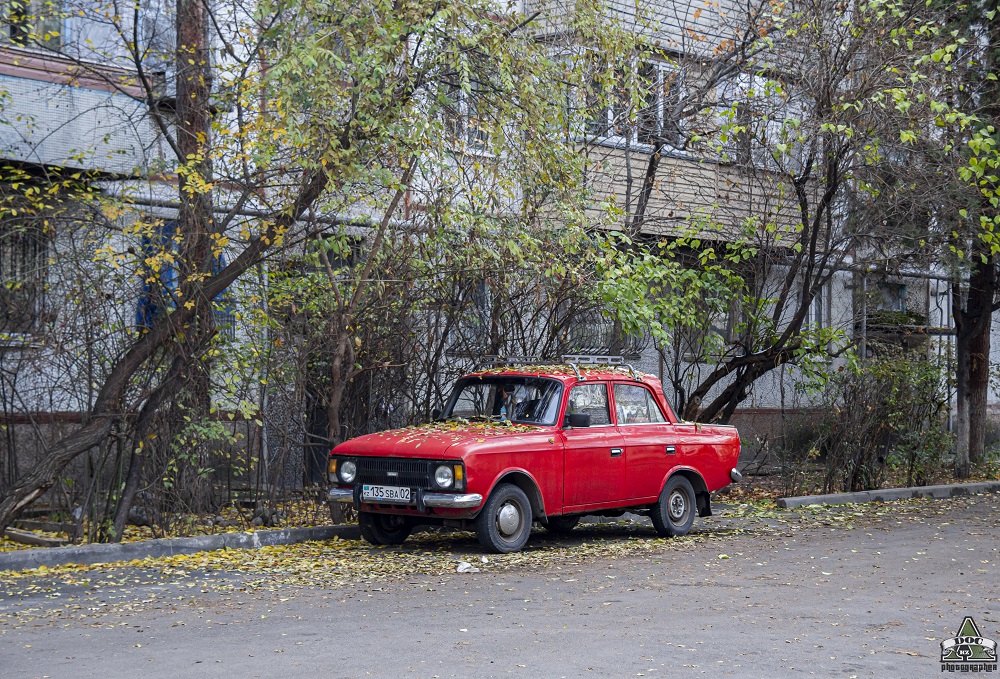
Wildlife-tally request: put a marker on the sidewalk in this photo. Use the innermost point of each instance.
(104, 553)
(887, 494)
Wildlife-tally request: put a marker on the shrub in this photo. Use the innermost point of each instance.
(882, 416)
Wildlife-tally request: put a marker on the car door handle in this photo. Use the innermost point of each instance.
(671, 450)
(616, 452)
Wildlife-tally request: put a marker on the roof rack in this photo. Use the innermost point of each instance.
(493, 359)
(575, 361)
(591, 359)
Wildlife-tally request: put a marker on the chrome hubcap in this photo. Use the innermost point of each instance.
(678, 505)
(508, 519)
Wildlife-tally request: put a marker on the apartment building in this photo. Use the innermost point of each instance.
(73, 104)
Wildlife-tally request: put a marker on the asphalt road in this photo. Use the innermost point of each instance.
(871, 601)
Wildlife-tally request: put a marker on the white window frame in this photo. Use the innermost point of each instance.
(459, 122)
(753, 92)
(817, 316)
(608, 125)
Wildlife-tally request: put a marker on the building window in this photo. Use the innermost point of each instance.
(816, 315)
(659, 119)
(159, 288)
(710, 341)
(33, 23)
(617, 119)
(465, 117)
(892, 297)
(470, 334)
(23, 258)
(609, 114)
(759, 121)
(589, 334)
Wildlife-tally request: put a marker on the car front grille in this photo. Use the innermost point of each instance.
(387, 471)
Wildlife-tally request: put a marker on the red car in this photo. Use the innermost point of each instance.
(539, 443)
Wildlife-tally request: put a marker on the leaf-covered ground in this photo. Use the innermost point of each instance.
(89, 594)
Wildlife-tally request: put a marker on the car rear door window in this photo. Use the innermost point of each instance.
(635, 405)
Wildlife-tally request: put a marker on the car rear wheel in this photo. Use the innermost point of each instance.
(504, 524)
(562, 524)
(673, 513)
(384, 529)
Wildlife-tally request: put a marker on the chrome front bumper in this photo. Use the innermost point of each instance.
(447, 500)
(453, 501)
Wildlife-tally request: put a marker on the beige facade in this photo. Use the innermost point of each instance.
(690, 195)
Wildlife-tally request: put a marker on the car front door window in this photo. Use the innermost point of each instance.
(591, 399)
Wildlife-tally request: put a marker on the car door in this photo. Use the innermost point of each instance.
(595, 455)
(652, 446)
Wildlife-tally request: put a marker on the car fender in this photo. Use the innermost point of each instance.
(701, 492)
(526, 482)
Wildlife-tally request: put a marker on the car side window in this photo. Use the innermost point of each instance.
(635, 405)
(592, 399)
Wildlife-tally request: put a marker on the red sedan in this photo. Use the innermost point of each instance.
(537, 443)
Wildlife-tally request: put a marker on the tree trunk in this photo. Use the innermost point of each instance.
(195, 219)
(973, 318)
(979, 322)
(977, 387)
(167, 388)
(343, 357)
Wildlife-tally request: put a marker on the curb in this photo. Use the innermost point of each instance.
(953, 490)
(20, 560)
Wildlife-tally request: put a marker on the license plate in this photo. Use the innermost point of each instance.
(396, 494)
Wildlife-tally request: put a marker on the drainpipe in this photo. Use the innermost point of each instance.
(864, 317)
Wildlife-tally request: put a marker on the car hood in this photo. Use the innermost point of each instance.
(433, 440)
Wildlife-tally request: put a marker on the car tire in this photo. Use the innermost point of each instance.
(504, 524)
(384, 529)
(673, 514)
(562, 524)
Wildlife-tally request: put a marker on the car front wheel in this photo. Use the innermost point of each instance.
(384, 529)
(673, 513)
(504, 524)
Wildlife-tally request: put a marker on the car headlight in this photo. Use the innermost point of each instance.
(444, 476)
(348, 471)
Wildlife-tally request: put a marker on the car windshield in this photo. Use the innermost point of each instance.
(503, 398)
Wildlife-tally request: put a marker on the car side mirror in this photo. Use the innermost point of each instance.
(435, 414)
(578, 419)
